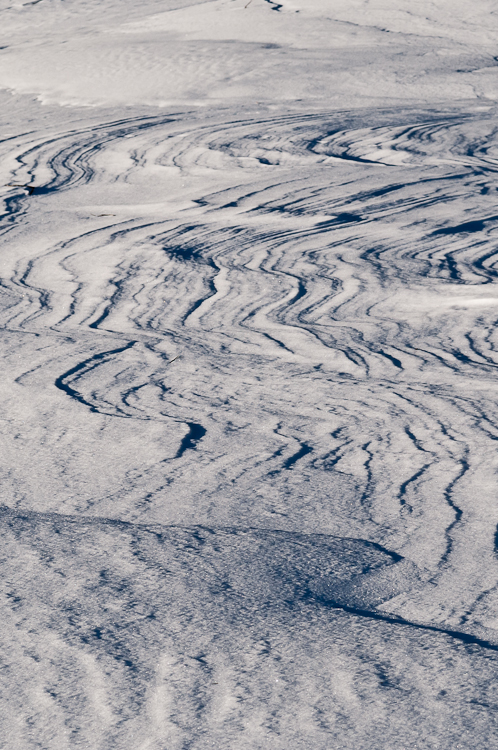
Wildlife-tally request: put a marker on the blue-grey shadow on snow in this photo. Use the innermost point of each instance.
(227, 574)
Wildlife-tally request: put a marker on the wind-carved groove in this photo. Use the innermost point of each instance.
(279, 343)
(458, 635)
(396, 362)
(113, 300)
(461, 357)
(275, 6)
(448, 262)
(301, 292)
(83, 368)
(15, 208)
(356, 358)
(464, 467)
(472, 346)
(42, 294)
(71, 164)
(469, 227)
(190, 254)
(366, 494)
(304, 450)
(333, 457)
(411, 480)
(404, 487)
(195, 306)
(195, 433)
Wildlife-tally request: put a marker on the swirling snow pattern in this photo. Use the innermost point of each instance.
(250, 420)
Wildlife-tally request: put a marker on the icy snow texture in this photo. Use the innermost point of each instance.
(249, 413)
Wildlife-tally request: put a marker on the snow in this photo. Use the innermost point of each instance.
(249, 405)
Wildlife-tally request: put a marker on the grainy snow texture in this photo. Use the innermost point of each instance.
(249, 396)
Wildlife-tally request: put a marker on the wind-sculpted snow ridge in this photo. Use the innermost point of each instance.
(251, 414)
(177, 634)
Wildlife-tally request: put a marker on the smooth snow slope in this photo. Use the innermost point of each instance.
(248, 414)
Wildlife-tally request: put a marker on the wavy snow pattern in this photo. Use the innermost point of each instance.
(261, 367)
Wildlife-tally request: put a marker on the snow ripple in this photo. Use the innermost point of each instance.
(279, 323)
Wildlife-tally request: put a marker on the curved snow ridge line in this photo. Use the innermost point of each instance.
(291, 301)
(71, 164)
(342, 595)
(270, 565)
(445, 456)
(245, 144)
(75, 372)
(464, 637)
(442, 142)
(67, 381)
(156, 528)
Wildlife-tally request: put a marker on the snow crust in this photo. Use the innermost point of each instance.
(248, 412)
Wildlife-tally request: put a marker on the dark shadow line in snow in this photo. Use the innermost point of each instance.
(356, 358)
(339, 219)
(279, 343)
(69, 164)
(415, 441)
(187, 254)
(396, 362)
(449, 262)
(312, 145)
(110, 305)
(466, 638)
(349, 157)
(14, 207)
(461, 357)
(210, 285)
(369, 481)
(83, 367)
(198, 303)
(331, 458)
(274, 6)
(301, 292)
(411, 480)
(473, 348)
(195, 433)
(467, 226)
(383, 191)
(303, 451)
(464, 467)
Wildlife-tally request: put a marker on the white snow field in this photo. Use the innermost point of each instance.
(249, 375)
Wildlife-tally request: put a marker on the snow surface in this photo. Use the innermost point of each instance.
(249, 411)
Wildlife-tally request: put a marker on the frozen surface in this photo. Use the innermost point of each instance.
(249, 401)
